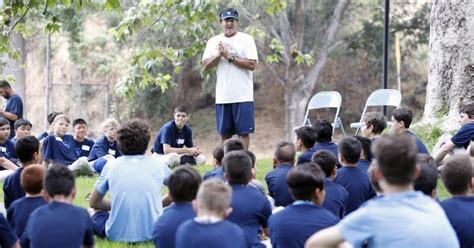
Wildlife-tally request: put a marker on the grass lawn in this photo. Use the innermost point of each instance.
(84, 186)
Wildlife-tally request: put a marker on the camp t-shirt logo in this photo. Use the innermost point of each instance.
(4, 152)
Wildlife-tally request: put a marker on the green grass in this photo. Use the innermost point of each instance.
(84, 185)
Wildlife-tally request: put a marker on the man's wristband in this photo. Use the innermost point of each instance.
(231, 59)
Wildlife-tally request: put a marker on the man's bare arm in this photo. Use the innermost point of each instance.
(211, 62)
(326, 238)
(98, 202)
(9, 115)
(247, 64)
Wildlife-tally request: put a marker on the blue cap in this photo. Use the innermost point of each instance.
(229, 14)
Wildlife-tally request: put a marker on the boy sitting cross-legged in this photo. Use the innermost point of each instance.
(8, 157)
(209, 229)
(292, 226)
(59, 223)
(283, 160)
(20, 210)
(183, 185)
(457, 176)
(105, 148)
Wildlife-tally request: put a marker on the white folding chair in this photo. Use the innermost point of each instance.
(381, 97)
(326, 99)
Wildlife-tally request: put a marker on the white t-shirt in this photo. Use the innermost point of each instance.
(234, 84)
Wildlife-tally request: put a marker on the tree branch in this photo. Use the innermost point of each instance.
(269, 68)
(19, 19)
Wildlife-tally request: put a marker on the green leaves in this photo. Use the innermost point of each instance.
(275, 6)
(112, 5)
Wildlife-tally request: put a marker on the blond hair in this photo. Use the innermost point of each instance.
(61, 116)
(110, 122)
(214, 195)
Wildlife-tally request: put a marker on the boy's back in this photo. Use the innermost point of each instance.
(292, 226)
(336, 198)
(277, 188)
(221, 234)
(20, 210)
(12, 189)
(357, 184)
(459, 210)
(168, 223)
(58, 225)
(250, 211)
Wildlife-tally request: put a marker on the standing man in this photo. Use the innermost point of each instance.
(235, 56)
(14, 106)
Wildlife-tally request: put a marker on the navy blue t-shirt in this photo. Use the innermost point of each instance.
(464, 136)
(363, 164)
(356, 182)
(292, 226)
(7, 236)
(277, 187)
(14, 105)
(61, 150)
(20, 210)
(460, 212)
(7, 150)
(217, 173)
(419, 144)
(336, 198)
(12, 189)
(222, 234)
(305, 157)
(102, 147)
(43, 135)
(58, 225)
(83, 148)
(171, 135)
(251, 210)
(168, 223)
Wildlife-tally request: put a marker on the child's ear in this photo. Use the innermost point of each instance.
(274, 162)
(46, 196)
(472, 184)
(228, 212)
(194, 204)
(318, 195)
(73, 193)
(226, 177)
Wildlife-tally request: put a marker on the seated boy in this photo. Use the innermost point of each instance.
(83, 144)
(20, 210)
(336, 195)
(373, 125)
(304, 141)
(60, 149)
(251, 209)
(22, 129)
(217, 172)
(233, 144)
(209, 228)
(462, 138)
(183, 185)
(403, 217)
(7, 236)
(354, 179)
(105, 148)
(28, 152)
(135, 182)
(7, 148)
(401, 121)
(457, 176)
(175, 140)
(283, 160)
(59, 223)
(292, 226)
(323, 130)
(427, 181)
(50, 118)
(366, 153)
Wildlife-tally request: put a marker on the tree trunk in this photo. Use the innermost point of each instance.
(16, 68)
(451, 60)
(296, 100)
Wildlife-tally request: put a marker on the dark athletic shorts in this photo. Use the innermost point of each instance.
(235, 118)
(98, 223)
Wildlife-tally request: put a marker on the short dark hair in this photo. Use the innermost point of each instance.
(31, 178)
(396, 158)
(468, 109)
(326, 160)
(59, 180)
(233, 145)
(218, 153)
(285, 152)
(21, 122)
(366, 146)
(252, 157)
(428, 178)
(181, 109)
(377, 120)
(307, 135)
(5, 84)
(350, 149)
(26, 147)
(52, 115)
(457, 173)
(304, 179)
(78, 121)
(4, 121)
(323, 129)
(237, 166)
(184, 184)
(133, 137)
(403, 114)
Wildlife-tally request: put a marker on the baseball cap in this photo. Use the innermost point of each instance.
(229, 14)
